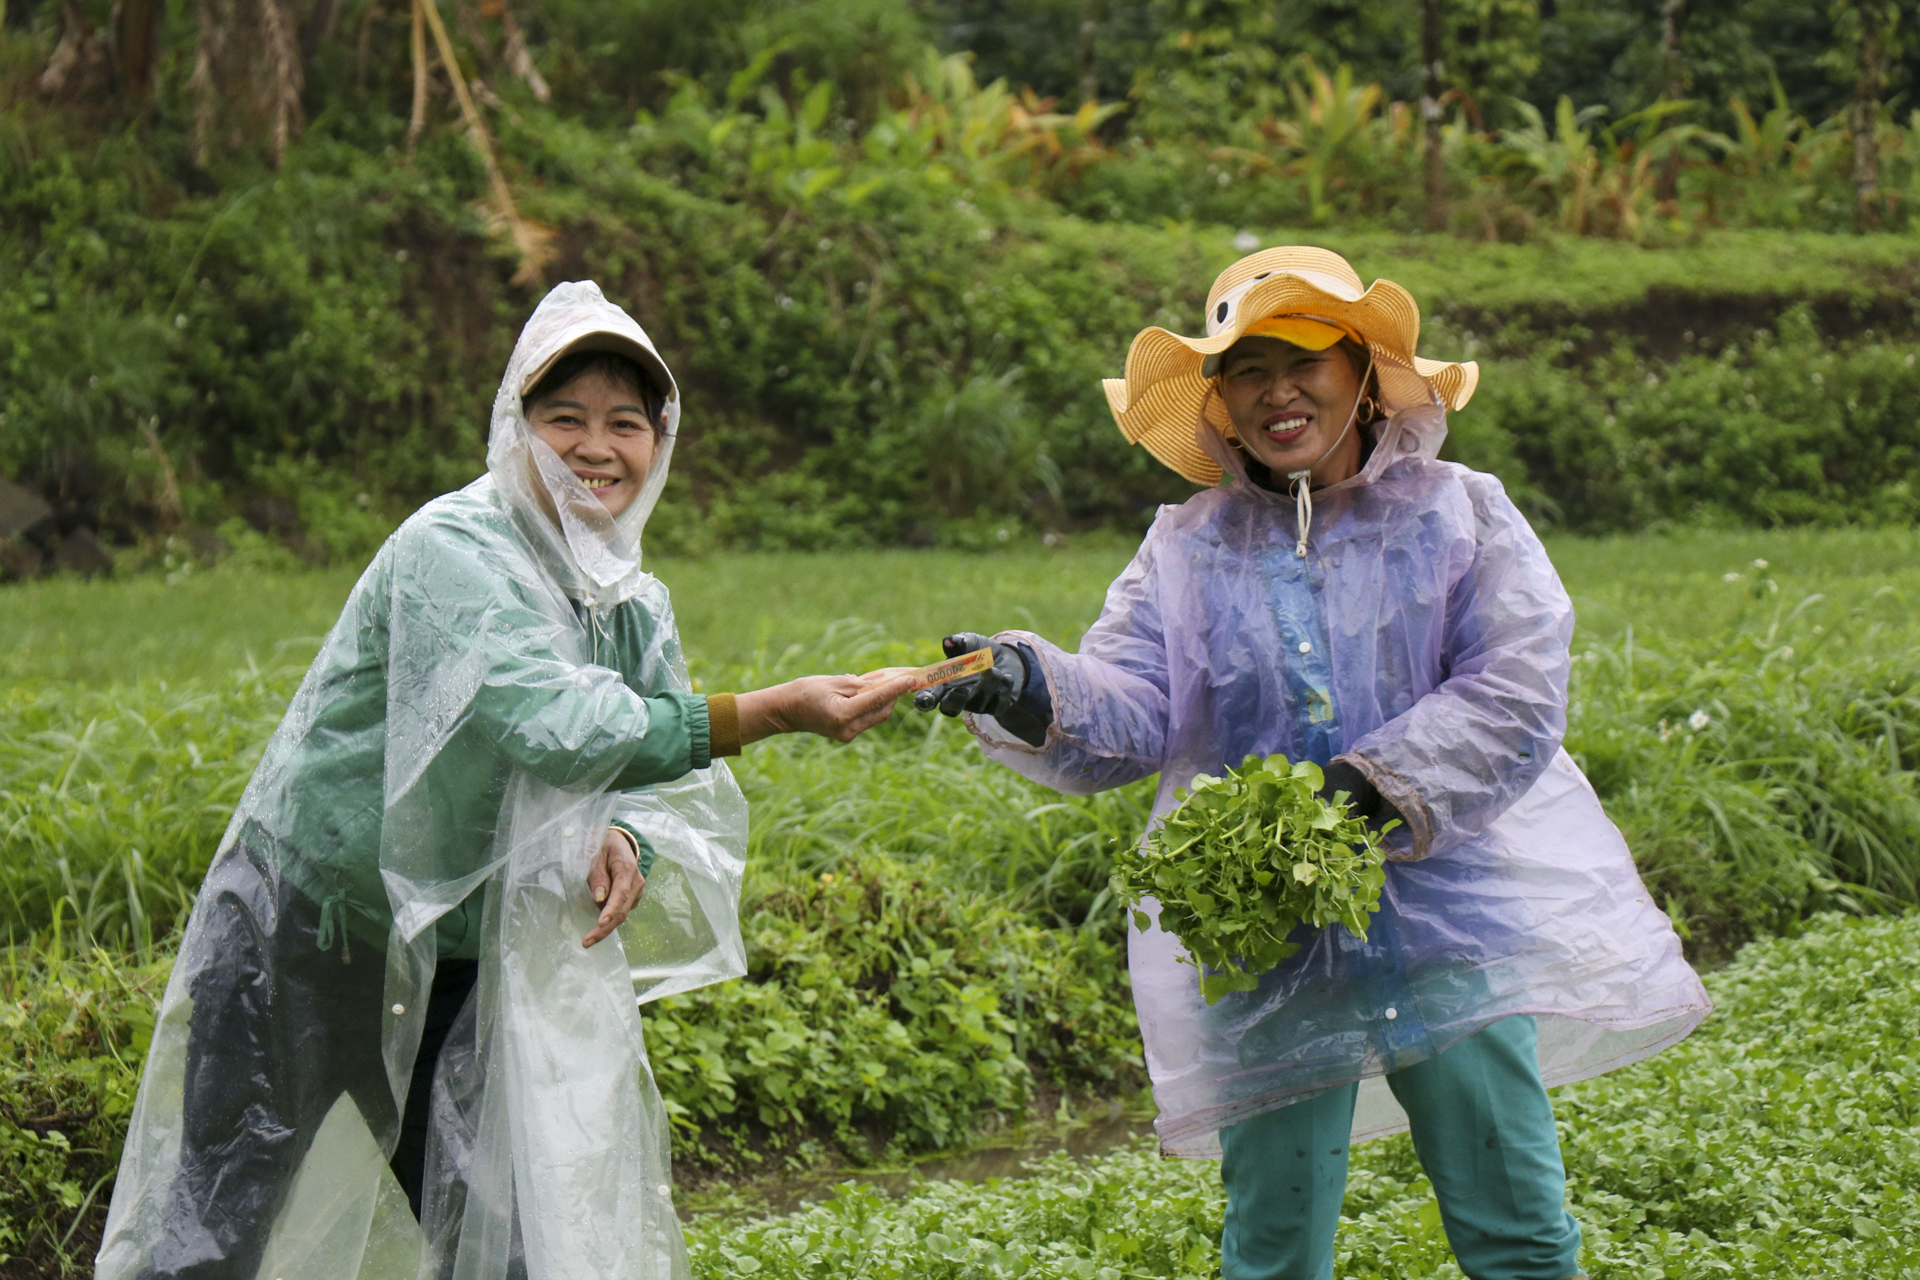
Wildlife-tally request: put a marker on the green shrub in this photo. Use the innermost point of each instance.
(892, 1015)
(330, 317)
(1785, 428)
(74, 1029)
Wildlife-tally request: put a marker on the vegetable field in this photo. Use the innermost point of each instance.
(933, 945)
(1777, 1142)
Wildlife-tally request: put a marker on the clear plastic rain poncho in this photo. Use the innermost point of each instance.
(1425, 637)
(439, 785)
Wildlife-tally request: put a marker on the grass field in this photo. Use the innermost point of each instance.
(135, 707)
(734, 606)
(1747, 705)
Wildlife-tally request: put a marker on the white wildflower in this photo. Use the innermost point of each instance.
(1698, 721)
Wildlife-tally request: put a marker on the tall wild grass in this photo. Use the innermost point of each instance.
(1762, 766)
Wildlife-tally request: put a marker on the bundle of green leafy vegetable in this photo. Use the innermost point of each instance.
(1248, 857)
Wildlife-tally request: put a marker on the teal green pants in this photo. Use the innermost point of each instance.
(1483, 1129)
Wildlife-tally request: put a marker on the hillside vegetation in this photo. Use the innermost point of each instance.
(265, 280)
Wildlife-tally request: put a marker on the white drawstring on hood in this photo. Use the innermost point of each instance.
(1303, 479)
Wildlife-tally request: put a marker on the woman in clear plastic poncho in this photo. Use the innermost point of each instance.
(384, 1051)
(1347, 598)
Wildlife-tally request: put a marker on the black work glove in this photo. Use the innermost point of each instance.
(993, 693)
(1362, 796)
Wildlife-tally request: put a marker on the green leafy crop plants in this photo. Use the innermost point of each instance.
(889, 1014)
(1813, 1174)
(1245, 860)
(1813, 1177)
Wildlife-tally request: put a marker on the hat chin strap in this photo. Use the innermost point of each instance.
(1303, 478)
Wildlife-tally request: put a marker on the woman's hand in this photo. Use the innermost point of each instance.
(615, 882)
(837, 707)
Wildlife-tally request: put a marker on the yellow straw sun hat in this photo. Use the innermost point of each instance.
(1303, 295)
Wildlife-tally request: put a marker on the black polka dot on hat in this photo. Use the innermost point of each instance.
(1220, 315)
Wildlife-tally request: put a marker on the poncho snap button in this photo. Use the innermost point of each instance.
(571, 832)
(1392, 1014)
(399, 1009)
(666, 1192)
(1306, 646)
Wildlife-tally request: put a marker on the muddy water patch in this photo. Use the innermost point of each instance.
(1005, 1155)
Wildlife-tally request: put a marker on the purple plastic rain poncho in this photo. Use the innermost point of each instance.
(1425, 639)
(459, 737)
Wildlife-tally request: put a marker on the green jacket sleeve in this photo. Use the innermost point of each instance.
(571, 724)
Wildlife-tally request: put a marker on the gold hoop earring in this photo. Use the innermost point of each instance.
(1372, 410)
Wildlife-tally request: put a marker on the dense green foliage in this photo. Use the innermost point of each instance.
(891, 286)
(889, 1015)
(1777, 1142)
(1244, 860)
(76, 1028)
(1778, 429)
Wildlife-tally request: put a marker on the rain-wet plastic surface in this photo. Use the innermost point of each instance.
(448, 760)
(1424, 638)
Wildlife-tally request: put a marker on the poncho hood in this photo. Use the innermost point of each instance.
(595, 555)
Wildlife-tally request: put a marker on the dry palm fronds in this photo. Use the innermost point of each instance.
(79, 50)
(532, 244)
(418, 120)
(247, 69)
(209, 44)
(283, 76)
(519, 60)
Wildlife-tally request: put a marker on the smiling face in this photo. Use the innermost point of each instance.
(599, 426)
(1289, 406)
